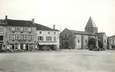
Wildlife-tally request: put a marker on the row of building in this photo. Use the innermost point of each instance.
(28, 35)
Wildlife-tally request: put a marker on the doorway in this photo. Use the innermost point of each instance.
(92, 44)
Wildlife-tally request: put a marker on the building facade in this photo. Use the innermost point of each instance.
(17, 34)
(48, 38)
(27, 35)
(72, 39)
(111, 42)
(90, 38)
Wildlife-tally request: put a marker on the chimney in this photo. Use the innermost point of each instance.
(6, 17)
(53, 26)
(33, 20)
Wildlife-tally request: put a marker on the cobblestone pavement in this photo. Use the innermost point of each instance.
(58, 61)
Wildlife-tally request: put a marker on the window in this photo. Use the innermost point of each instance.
(33, 29)
(105, 41)
(29, 29)
(1, 37)
(10, 37)
(13, 37)
(85, 41)
(40, 38)
(54, 32)
(12, 28)
(21, 37)
(29, 37)
(16, 36)
(32, 37)
(49, 38)
(48, 32)
(40, 32)
(26, 29)
(18, 29)
(54, 38)
(1, 29)
(78, 41)
(21, 29)
(112, 41)
(25, 37)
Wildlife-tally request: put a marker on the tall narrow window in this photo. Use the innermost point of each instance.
(49, 38)
(21, 29)
(40, 38)
(13, 37)
(13, 29)
(54, 38)
(85, 41)
(78, 41)
(16, 36)
(18, 29)
(29, 29)
(1, 37)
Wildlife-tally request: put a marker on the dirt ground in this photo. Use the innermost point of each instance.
(58, 61)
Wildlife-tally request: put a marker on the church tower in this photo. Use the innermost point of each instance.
(90, 26)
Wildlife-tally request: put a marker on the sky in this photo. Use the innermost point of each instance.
(71, 14)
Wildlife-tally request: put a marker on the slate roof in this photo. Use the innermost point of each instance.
(25, 23)
(44, 28)
(90, 23)
(2, 22)
(101, 33)
(80, 32)
(11, 22)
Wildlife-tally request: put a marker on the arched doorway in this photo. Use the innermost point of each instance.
(92, 44)
(66, 45)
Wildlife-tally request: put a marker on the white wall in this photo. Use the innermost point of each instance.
(52, 34)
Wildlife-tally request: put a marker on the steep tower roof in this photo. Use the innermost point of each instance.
(90, 26)
(90, 23)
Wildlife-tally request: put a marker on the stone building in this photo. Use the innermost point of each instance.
(48, 38)
(111, 42)
(17, 34)
(73, 39)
